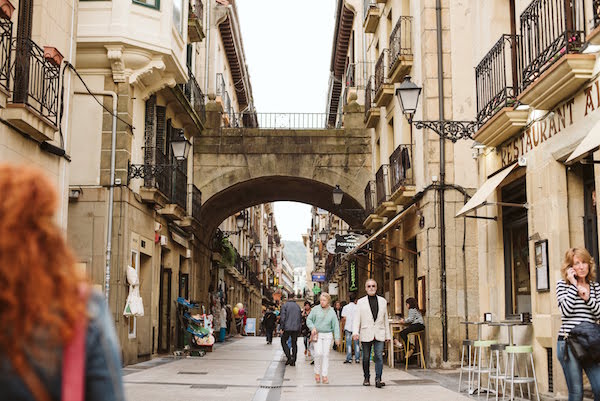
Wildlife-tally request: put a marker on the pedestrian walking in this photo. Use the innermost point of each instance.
(324, 324)
(415, 323)
(269, 324)
(290, 322)
(347, 321)
(305, 332)
(55, 328)
(370, 325)
(337, 308)
(578, 296)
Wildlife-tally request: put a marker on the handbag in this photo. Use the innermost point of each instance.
(584, 342)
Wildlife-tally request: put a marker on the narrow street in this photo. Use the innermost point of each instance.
(248, 369)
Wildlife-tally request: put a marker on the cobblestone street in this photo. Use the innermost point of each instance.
(249, 369)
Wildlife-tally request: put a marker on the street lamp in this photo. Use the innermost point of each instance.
(240, 222)
(317, 258)
(257, 248)
(338, 194)
(323, 235)
(180, 146)
(408, 94)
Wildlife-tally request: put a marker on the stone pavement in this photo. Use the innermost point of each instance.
(249, 369)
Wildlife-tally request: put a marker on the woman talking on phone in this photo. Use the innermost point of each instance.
(578, 297)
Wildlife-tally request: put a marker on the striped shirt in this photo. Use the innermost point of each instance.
(414, 317)
(573, 308)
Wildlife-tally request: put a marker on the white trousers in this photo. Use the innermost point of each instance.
(321, 353)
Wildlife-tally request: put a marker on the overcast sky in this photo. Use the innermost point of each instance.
(288, 52)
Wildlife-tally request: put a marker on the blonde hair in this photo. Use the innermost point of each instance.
(585, 257)
(327, 297)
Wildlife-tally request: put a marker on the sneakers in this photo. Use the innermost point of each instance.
(347, 361)
(379, 384)
(398, 344)
(358, 361)
(366, 382)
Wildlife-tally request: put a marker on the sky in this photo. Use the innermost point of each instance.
(288, 51)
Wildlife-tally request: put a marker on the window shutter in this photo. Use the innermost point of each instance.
(149, 130)
(161, 113)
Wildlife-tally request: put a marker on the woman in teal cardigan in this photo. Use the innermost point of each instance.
(324, 325)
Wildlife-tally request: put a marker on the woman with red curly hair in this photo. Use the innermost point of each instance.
(44, 308)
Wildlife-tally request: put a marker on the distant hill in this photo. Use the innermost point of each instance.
(295, 252)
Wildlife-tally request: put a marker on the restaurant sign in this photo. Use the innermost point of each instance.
(352, 276)
(550, 124)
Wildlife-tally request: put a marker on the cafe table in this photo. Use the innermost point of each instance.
(509, 324)
(394, 324)
(478, 324)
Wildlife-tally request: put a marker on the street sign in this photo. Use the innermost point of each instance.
(346, 243)
(331, 246)
(318, 277)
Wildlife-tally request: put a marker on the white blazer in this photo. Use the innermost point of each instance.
(364, 325)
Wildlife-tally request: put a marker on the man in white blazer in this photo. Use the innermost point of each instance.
(371, 326)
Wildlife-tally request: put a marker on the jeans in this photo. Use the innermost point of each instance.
(574, 375)
(284, 345)
(321, 354)
(378, 351)
(410, 329)
(269, 334)
(349, 343)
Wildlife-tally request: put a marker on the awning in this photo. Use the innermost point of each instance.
(590, 143)
(480, 198)
(383, 229)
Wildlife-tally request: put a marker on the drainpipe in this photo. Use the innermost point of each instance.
(111, 189)
(207, 53)
(438, 14)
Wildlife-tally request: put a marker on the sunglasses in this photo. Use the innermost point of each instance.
(371, 286)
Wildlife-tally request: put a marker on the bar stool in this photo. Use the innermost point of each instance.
(495, 369)
(468, 346)
(513, 352)
(480, 348)
(418, 335)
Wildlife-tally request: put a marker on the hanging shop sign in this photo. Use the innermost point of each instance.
(346, 243)
(560, 119)
(352, 276)
(331, 246)
(318, 277)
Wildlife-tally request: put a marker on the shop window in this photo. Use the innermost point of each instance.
(517, 277)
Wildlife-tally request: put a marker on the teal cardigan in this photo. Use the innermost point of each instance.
(325, 321)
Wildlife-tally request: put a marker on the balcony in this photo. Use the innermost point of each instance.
(357, 76)
(191, 222)
(372, 220)
(191, 103)
(384, 89)
(594, 36)
(372, 13)
(33, 103)
(157, 181)
(401, 175)
(177, 205)
(372, 112)
(385, 208)
(195, 21)
(6, 28)
(496, 81)
(400, 52)
(552, 35)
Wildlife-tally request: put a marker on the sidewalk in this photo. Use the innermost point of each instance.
(249, 369)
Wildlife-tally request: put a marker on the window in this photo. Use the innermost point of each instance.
(399, 296)
(421, 300)
(148, 3)
(178, 15)
(135, 263)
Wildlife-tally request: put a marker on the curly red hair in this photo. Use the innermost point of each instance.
(39, 283)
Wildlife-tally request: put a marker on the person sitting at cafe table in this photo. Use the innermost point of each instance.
(415, 323)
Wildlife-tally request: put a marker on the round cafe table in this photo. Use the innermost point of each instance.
(478, 324)
(509, 324)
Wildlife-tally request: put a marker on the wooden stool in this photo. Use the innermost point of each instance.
(418, 335)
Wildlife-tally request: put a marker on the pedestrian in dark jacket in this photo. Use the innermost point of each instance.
(290, 322)
(269, 322)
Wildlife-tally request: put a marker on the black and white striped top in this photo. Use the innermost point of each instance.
(573, 308)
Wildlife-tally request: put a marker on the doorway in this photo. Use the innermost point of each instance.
(164, 311)
(590, 218)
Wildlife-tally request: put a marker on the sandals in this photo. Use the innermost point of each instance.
(325, 380)
(318, 378)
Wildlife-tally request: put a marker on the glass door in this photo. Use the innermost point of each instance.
(164, 311)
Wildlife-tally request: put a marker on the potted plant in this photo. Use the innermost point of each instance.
(53, 55)
(6, 9)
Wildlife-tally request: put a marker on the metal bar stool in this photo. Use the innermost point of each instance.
(512, 353)
(468, 346)
(418, 335)
(480, 348)
(495, 369)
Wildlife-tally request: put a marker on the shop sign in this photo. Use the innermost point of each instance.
(352, 276)
(318, 277)
(331, 246)
(346, 243)
(561, 118)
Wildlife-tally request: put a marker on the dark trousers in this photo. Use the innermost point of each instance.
(410, 329)
(269, 334)
(286, 349)
(377, 357)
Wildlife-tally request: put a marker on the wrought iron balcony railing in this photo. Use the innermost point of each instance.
(496, 78)
(381, 70)
(6, 28)
(194, 96)
(179, 188)
(369, 96)
(370, 193)
(298, 121)
(382, 183)
(401, 172)
(36, 79)
(400, 40)
(358, 74)
(549, 30)
(596, 11)
(154, 171)
(195, 202)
